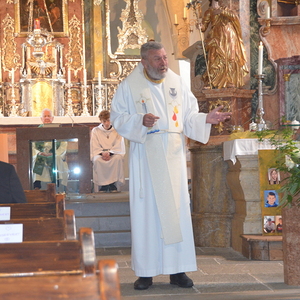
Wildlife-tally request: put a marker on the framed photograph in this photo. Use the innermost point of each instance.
(52, 15)
(273, 176)
(271, 198)
(269, 225)
(278, 223)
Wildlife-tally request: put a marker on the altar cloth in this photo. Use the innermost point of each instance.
(57, 119)
(244, 147)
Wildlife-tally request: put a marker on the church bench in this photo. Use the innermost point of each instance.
(37, 210)
(102, 285)
(57, 270)
(49, 257)
(47, 195)
(48, 229)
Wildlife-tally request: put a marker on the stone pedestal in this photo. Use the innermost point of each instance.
(213, 206)
(243, 180)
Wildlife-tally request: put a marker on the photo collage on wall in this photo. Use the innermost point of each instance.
(270, 179)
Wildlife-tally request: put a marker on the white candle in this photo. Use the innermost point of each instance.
(12, 76)
(69, 75)
(176, 20)
(84, 76)
(184, 12)
(99, 78)
(268, 14)
(260, 58)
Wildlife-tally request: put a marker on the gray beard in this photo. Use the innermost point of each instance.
(154, 75)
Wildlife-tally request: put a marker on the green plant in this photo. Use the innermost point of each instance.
(287, 162)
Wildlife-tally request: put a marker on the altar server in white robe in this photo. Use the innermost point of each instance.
(154, 110)
(107, 155)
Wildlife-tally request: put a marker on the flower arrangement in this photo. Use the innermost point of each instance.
(287, 161)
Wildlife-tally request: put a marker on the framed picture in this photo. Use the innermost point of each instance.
(273, 176)
(271, 198)
(52, 15)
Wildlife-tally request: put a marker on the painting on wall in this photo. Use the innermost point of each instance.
(52, 16)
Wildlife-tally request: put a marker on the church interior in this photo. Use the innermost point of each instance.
(70, 55)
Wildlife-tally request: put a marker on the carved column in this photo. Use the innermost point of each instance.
(213, 206)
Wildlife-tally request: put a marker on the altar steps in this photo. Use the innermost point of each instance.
(107, 214)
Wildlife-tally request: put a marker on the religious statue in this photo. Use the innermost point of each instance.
(226, 59)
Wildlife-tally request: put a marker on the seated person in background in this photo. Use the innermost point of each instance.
(11, 190)
(107, 153)
(42, 154)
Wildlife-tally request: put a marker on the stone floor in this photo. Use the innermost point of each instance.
(222, 274)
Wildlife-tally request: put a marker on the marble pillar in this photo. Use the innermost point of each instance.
(212, 204)
(243, 180)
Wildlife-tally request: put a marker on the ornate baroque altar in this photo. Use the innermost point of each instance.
(47, 63)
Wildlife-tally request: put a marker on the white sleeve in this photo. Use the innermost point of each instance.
(195, 126)
(125, 119)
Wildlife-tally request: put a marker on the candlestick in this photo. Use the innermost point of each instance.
(261, 124)
(85, 111)
(260, 58)
(184, 12)
(175, 18)
(12, 76)
(69, 76)
(84, 77)
(99, 78)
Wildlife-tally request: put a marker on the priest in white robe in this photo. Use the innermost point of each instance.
(107, 154)
(43, 160)
(155, 110)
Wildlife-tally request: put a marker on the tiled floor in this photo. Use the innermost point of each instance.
(222, 274)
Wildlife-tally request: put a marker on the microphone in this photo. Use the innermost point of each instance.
(71, 119)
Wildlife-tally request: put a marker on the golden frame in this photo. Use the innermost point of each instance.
(59, 28)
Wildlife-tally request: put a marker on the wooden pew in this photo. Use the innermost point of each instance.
(37, 210)
(48, 229)
(57, 270)
(36, 196)
(104, 285)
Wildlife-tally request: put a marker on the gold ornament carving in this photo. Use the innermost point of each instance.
(9, 56)
(286, 77)
(132, 35)
(42, 67)
(125, 67)
(75, 53)
(226, 107)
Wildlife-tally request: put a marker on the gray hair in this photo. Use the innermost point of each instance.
(150, 46)
(46, 109)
